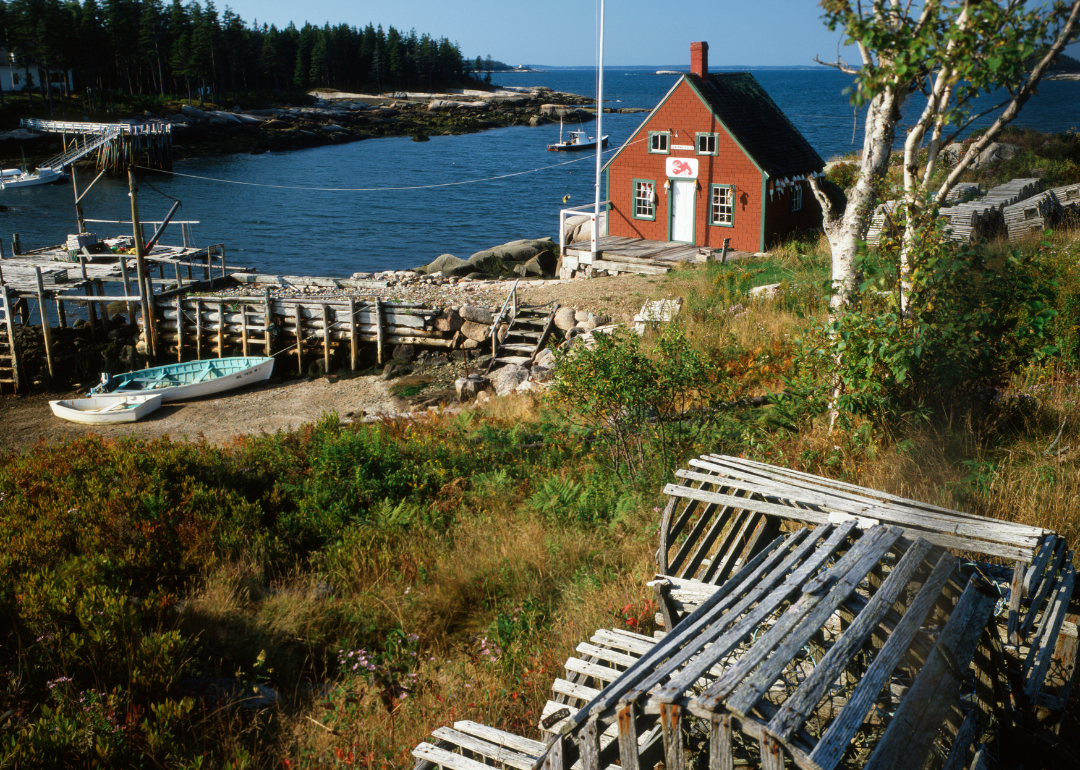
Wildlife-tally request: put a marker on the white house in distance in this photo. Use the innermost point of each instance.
(16, 72)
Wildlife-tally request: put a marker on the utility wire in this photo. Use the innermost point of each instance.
(381, 189)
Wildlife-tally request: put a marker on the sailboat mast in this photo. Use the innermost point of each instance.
(599, 133)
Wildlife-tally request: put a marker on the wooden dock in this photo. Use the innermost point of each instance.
(618, 254)
(117, 146)
(203, 316)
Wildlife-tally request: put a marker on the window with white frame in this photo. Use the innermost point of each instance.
(722, 205)
(644, 199)
(14, 78)
(706, 144)
(796, 196)
(660, 142)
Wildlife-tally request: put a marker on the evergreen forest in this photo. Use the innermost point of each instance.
(147, 48)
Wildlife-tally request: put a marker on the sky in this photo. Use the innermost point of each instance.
(636, 32)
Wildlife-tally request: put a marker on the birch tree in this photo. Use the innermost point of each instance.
(951, 52)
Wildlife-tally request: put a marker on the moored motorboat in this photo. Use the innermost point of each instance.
(577, 141)
(29, 179)
(106, 410)
(175, 382)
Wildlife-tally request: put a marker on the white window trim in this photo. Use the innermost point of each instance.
(652, 200)
(731, 204)
(667, 142)
(697, 143)
(796, 197)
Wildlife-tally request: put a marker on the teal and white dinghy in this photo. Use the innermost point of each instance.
(176, 382)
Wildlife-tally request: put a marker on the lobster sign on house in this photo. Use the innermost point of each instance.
(716, 160)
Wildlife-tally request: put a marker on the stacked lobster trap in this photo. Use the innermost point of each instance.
(813, 624)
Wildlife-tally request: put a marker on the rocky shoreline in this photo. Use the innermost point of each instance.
(334, 118)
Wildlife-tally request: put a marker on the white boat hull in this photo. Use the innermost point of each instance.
(41, 176)
(106, 410)
(237, 379)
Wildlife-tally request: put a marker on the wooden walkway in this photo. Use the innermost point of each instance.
(618, 254)
(637, 255)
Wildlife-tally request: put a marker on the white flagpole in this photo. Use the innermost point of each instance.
(599, 134)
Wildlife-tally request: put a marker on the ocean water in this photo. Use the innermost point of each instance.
(394, 203)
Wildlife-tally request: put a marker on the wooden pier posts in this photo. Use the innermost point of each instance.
(378, 330)
(326, 338)
(127, 290)
(46, 325)
(233, 324)
(179, 329)
(299, 340)
(221, 330)
(91, 312)
(267, 324)
(353, 341)
(145, 284)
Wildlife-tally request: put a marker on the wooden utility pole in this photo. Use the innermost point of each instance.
(145, 288)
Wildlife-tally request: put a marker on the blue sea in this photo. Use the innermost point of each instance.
(417, 200)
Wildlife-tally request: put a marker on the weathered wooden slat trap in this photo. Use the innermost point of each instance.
(813, 624)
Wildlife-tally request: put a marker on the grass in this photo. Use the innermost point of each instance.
(387, 579)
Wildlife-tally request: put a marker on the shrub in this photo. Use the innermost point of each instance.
(639, 402)
(971, 323)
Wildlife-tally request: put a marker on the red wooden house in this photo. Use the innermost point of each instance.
(716, 159)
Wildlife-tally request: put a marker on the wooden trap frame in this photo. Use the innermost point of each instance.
(812, 624)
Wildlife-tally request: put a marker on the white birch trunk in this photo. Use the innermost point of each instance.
(846, 224)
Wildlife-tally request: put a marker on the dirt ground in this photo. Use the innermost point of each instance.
(286, 405)
(269, 407)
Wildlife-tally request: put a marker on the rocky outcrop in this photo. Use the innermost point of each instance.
(447, 264)
(475, 331)
(442, 105)
(194, 112)
(578, 229)
(509, 377)
(498, 260)
(565, 318)
(476, 314)
(544, 263)
(468, 388)
(567, 113)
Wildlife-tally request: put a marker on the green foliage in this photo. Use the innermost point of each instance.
(989, 50)
(1058, 262)
(971, 324)
(598, 499)
(639, 401)
(843, 175)
(144, 51)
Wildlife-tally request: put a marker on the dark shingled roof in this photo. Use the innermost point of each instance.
(741, 104)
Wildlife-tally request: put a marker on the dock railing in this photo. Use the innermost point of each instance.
(586, 210)
(83, 127)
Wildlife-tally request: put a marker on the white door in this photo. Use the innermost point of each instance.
(682, 210)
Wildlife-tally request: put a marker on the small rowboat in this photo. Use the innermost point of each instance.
(192, 379)
(106, 410)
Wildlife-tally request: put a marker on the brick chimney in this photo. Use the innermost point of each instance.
(699, 59)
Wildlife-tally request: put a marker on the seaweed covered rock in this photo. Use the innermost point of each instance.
(446, 264)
